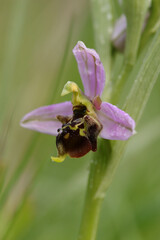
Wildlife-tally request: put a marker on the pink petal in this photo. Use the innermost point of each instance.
(119, 33)
(91, 70)
(44, 119)
(117, 124)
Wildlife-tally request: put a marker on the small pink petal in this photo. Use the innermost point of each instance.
(119, 33)
(91, 70)
(97, 102)
(117, 124)
(44, 119)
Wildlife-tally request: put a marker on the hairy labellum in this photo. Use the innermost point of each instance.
(78, 134)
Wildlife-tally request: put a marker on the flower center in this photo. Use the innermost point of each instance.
(79, 132)
(78, 135)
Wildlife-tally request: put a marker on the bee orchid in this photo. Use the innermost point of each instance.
(78, 123)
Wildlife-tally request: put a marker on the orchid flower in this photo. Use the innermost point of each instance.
(78, 123)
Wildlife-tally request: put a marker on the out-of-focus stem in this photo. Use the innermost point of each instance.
(152, 25)
(135, 12)
(102, 16)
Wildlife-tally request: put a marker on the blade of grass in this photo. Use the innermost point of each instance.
(11, 223)
(102, 15)
(17, 19)
(31, 148)
(59, 77)
(34, 139)
(19, 170)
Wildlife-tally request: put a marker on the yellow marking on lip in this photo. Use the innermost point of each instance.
(75, 127)
(66, 136)
(58, 159)
(72, 128)
(82, 132)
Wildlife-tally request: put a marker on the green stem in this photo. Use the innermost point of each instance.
(135, 12)
(90, 218)
(93, 201)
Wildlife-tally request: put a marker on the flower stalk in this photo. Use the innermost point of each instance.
(90, 219)
(93, 201)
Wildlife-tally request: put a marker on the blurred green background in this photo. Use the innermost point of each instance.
(42, 200)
